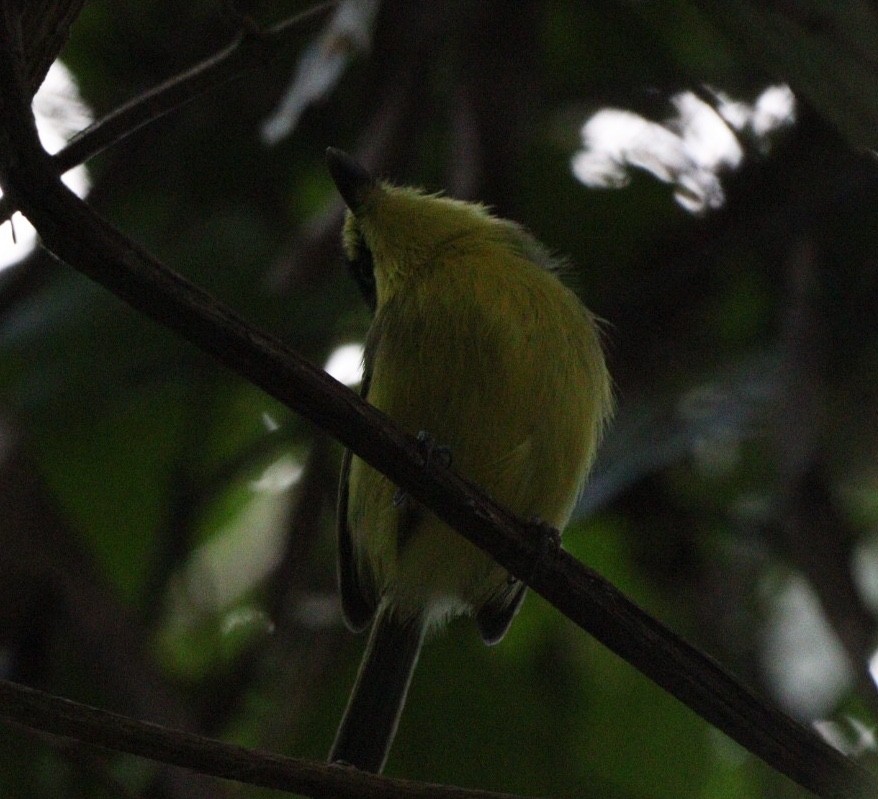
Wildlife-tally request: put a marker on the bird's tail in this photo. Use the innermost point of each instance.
(369, 723)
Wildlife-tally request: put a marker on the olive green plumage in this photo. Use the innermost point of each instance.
(477, 342)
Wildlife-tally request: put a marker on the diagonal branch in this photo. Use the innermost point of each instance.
(89, 725)
(71, 231)
(251, 50)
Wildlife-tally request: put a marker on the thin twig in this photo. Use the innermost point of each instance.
(250, 51)
(89, 243)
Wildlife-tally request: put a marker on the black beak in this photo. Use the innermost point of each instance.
(351, 179)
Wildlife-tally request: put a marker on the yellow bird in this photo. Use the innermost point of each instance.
(476, 342)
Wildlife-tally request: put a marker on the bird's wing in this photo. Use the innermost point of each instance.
(358, 600)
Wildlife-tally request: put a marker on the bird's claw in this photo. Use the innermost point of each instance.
(432, 453)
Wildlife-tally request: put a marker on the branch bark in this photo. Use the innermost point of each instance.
(41, 711)
(76, 235)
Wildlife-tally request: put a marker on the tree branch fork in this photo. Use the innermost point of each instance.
(76, 235)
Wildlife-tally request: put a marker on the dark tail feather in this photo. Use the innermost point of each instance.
(369, 723)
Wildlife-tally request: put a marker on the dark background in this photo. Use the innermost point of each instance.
(154, 558)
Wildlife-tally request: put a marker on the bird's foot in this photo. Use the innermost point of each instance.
(549, 544)
(432, 453)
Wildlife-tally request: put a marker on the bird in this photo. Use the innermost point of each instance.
(477, 346)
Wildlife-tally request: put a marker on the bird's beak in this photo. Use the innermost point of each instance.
(351, 179)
